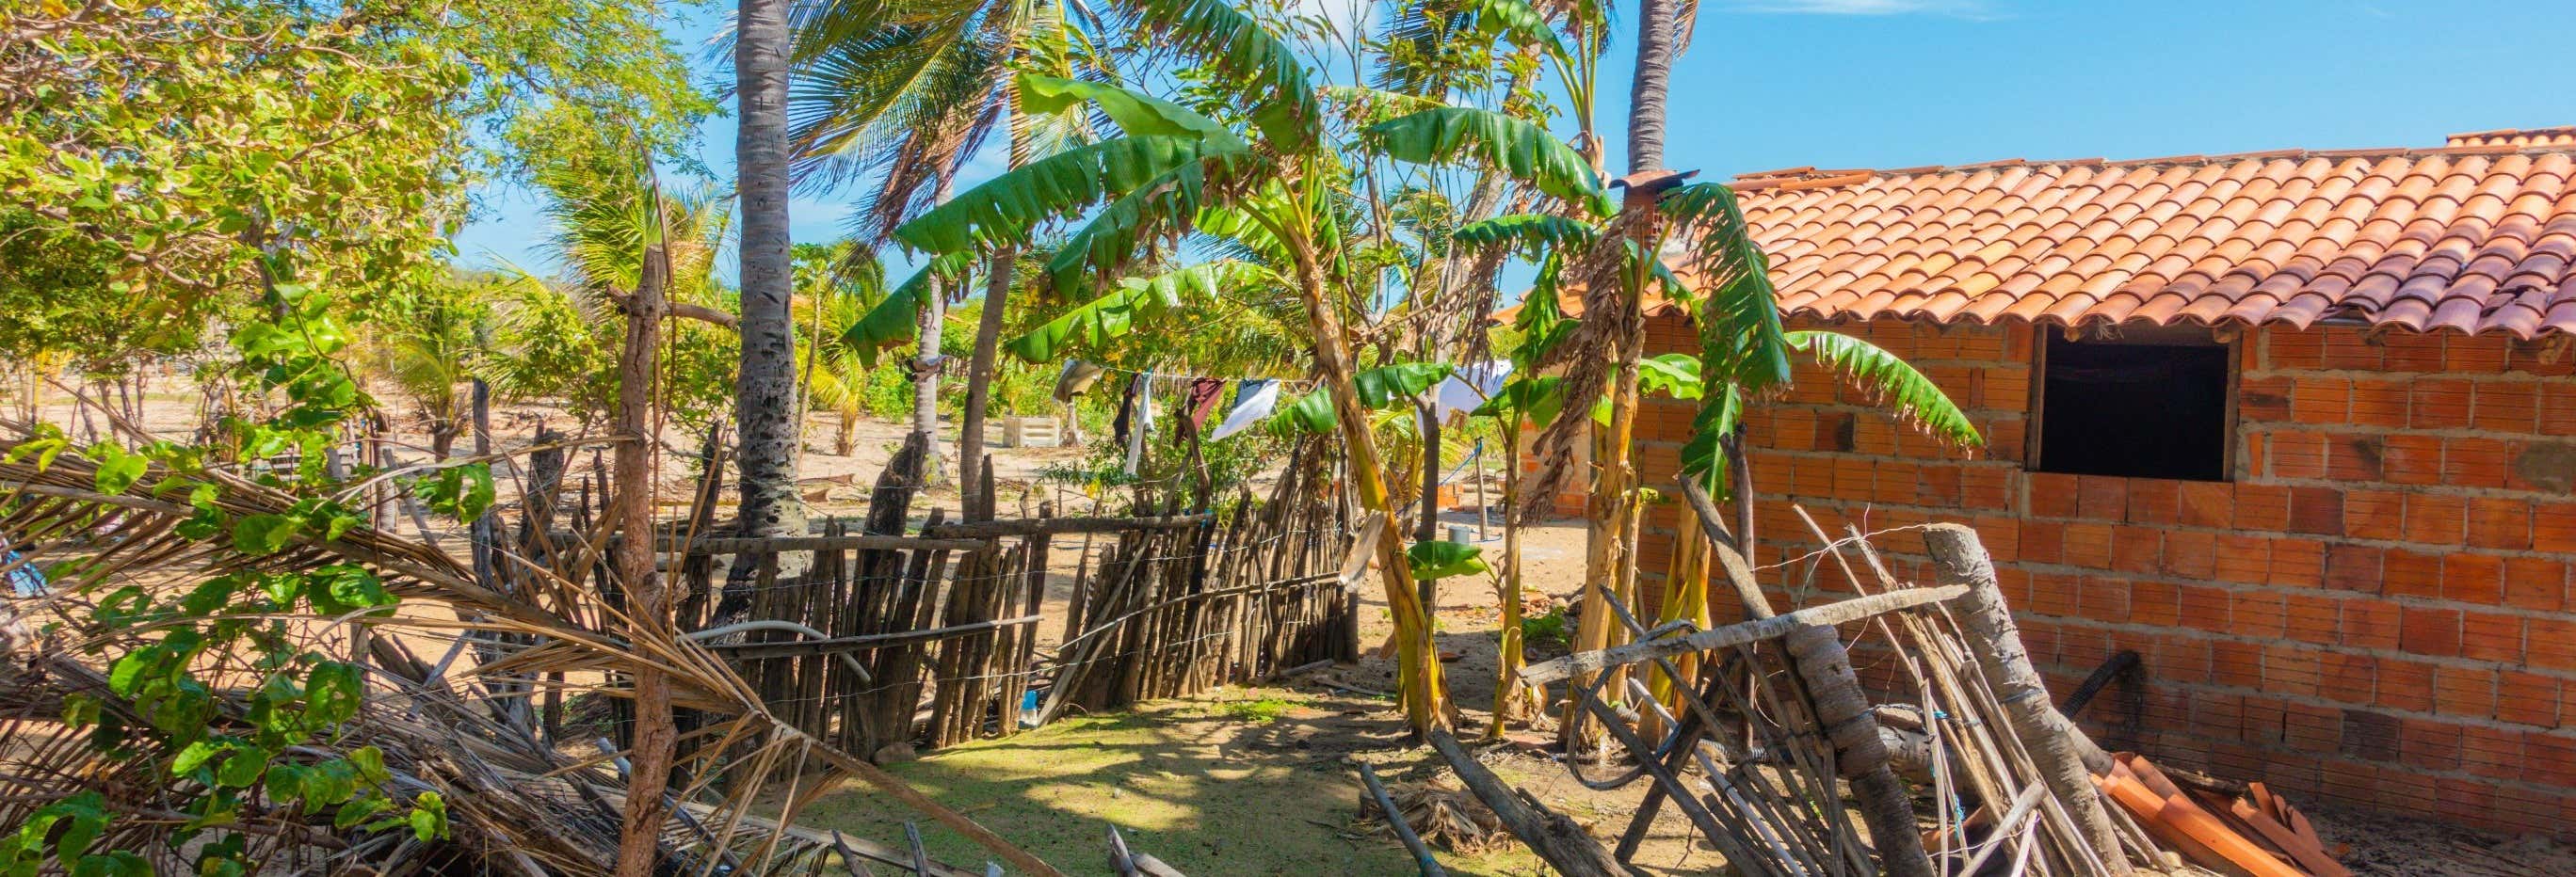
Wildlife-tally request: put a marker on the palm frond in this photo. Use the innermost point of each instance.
(1283, 104)
(1166, 203)
(1522, 149)
(1136, 113)
(1093, 324)
(1915, 399)
(890, 323)
(1008, 209)
(1534, 232)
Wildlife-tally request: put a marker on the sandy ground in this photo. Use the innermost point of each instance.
(1262, 781)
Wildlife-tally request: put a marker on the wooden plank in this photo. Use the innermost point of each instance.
(848, 542)
(2184, 826)
(2307, 855)
(1739, 634)
(1051, 526)
(805, 648)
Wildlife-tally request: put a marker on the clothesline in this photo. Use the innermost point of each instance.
(1159, 375)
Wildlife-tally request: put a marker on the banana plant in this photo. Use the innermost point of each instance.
(1272, 174)
(1744, 354)
(896, 95)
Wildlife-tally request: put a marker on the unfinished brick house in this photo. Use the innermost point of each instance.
(2295, 427)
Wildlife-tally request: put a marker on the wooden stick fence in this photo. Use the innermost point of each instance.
(933, 636)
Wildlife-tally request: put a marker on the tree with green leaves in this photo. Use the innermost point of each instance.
(1261, 166)
(1744, 352)
(902, 93)
(839, 287)
(428, 341)
(161, 149)
(555, 336)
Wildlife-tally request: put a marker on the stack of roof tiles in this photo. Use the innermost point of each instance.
(2476, 237)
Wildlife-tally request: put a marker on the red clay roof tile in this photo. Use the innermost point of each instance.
(2479, 236)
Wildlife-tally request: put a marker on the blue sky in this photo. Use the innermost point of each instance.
(1897, 83)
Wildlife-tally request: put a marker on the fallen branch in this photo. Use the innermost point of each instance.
(1739, 634)
(1422, 857)
(1551, 835)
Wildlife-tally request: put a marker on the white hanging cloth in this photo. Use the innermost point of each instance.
(1469, 387)
(1253, 402)
(1141, 422)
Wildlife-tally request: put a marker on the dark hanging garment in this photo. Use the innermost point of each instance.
(1204, 392)
(1126, 412)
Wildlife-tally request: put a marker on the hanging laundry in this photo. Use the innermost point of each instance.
(1126, 413)
(1469, 387)
(1076, 379)
(1142, 391)
(1202, 400)
(1253, 400)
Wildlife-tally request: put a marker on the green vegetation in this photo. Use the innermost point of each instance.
(263, 191)
(1259, 710)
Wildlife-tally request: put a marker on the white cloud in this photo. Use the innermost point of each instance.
(1961, 8)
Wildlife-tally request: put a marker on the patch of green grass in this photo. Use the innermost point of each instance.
(1267, 709)
(1548, 629)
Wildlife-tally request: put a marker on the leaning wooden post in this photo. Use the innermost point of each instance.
(2061, 750)
(656, 738)
(1842, 711)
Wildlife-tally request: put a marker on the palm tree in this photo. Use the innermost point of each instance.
(766, 410)
(556, 337)
(429, 341)
(902, 92)
(1271, 179)
(840, 288)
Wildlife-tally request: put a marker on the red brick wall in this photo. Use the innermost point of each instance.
(2376, 610)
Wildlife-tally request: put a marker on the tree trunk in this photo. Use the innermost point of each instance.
(765, 415)
(926, 363)
(845, 437)
(2067, 759)
(1507, 661)
(979, 374)
(442, 437)
(656, 735)
(1418, 662)
(1609, 557)
(1652, 82)
(1426, 525)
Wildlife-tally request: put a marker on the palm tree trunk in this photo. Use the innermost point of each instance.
(1508, 660)
(928, 324)
(813, 352)
(1650, 86)
(765, 417)
(979, 377)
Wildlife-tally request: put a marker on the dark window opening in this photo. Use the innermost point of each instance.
(2149, 405)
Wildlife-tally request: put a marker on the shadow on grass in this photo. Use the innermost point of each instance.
(1206, 788)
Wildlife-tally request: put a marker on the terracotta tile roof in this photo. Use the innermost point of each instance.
(2479, 237)
(2517, 137)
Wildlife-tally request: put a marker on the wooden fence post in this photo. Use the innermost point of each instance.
(2059, 748)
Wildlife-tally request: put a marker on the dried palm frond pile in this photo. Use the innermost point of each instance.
(451, 674)
(1440, 812)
